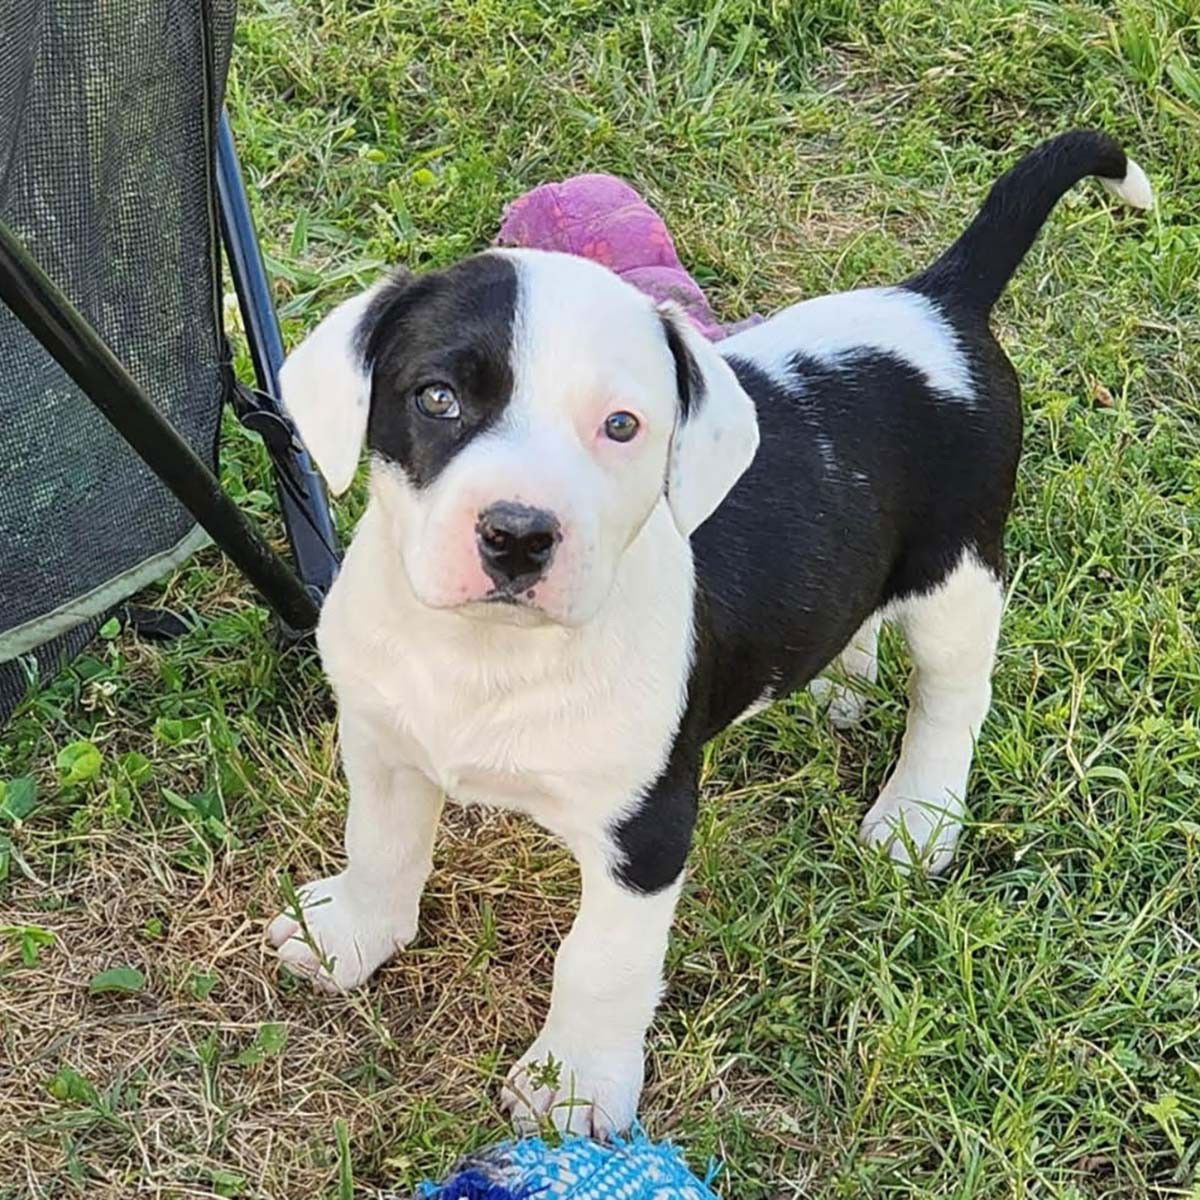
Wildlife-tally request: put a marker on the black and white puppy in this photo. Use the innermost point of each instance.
(594, 540)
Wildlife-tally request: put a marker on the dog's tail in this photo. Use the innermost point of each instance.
(975, 270)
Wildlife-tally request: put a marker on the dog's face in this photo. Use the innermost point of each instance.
(525, 413)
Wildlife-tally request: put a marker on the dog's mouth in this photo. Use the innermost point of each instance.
(522, 597)
(505, 607)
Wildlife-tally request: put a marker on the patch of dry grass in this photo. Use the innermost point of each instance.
(174, 1108)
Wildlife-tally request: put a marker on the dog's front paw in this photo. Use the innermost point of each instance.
(342, 938)
(913, 831)
(581, 1088)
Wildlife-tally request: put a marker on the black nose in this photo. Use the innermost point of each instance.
(516, 543)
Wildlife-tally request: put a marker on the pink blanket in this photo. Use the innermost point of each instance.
(602, 218)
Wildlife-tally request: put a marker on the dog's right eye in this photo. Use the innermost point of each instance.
(438, 400)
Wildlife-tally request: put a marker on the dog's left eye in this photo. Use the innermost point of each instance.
(621, 426)
(438, 400)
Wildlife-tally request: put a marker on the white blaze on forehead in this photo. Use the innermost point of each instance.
(892, 321)
(582, 332)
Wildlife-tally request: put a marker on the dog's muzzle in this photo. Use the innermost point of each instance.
(516, 544)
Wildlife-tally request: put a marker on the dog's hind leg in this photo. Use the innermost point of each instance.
(858, 663)
(951, 633)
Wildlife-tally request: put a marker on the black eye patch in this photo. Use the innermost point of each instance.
(453, 327)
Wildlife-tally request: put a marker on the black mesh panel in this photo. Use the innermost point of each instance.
(106, 126)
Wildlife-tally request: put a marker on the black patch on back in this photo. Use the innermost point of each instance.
(867, 487)
(455, 327)
(689, 383)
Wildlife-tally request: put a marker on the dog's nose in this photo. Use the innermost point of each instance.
(516, 542)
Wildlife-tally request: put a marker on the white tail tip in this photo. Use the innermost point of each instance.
(1134, 189)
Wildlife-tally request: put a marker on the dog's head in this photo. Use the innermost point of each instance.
(525, 413)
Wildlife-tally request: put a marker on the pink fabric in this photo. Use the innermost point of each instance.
(602, 218)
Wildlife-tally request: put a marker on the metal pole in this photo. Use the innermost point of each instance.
(43, 309)
(305, 509)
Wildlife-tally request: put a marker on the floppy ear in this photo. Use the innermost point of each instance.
(716, 425)
(326, 386)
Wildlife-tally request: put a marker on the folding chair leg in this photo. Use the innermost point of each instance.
(302, 496)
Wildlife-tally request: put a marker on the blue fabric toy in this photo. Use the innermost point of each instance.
(577, 1169)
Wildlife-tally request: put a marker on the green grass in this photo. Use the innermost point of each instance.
(1027, 1027)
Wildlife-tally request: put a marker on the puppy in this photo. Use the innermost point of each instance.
(594, 540)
